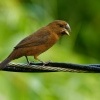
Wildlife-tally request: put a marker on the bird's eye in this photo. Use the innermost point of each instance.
(61, 25)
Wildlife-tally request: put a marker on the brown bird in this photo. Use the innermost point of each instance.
(38, 42)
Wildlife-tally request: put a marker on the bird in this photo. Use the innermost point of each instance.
(38, 42)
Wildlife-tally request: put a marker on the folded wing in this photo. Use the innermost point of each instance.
(37, 38)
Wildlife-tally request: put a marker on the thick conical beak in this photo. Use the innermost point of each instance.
(67, 32)
(67, 29)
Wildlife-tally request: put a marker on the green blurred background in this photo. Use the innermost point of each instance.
(19, 18)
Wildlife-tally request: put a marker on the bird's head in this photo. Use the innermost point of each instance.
(60, 27)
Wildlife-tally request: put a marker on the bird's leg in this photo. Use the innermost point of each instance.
(44, 63)
(27, 59)
(36, 58)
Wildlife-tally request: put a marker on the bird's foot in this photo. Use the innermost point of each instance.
(46, 63)
(42, 63)
(30, 63)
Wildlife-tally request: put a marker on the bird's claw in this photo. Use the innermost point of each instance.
(30, 63)
(45, 63)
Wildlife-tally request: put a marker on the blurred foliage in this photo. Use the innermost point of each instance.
(19, 18)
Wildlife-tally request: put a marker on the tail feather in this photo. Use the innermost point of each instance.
(4, 63)
(14, 55)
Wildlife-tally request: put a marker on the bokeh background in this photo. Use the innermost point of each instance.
(19, 18)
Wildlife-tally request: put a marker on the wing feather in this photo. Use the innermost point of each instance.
(38, 38)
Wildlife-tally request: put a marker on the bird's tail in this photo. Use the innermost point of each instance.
(14, 55)
(4, 63)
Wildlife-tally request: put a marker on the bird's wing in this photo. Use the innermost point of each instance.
(38, 38)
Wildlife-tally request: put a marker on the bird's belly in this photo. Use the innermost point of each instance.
(36, 50)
